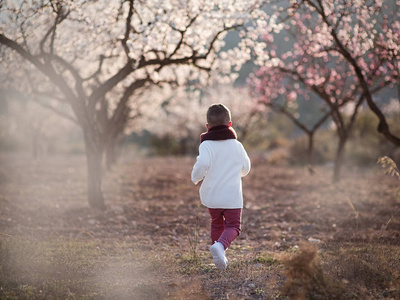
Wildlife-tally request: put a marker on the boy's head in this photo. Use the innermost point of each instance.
(218, 114)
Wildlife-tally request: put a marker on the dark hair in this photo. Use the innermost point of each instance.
(218, 114)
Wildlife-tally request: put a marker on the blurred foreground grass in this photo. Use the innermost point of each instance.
(31, 269)
(65, 269)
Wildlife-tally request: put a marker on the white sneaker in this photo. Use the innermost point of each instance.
(218, 254)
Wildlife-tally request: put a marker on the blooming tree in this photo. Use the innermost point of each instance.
(97, 55)
(342, 51)
(268, 87)
(366, 34)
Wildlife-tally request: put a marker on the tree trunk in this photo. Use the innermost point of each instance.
(111, 153)
(398, 93)
(310, 152)
(113, 150)
(94, 154)
(339, 158)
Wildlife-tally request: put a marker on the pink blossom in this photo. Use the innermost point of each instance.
(291, 96)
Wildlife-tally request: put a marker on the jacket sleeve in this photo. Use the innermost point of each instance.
(202, 164)
(246, 163)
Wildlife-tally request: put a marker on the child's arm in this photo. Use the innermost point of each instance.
(246, 164)
(202, 164)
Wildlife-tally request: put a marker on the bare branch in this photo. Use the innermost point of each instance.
(128, 28)
(50, 95)
(182, 32)
(75, 74)
(281, 109)
(207, 69)
(321, 121)
(46, 69)
(57, 111)
(216, 36)
(127, 94)
(111, 82)
(354, 115)
(48, 106)
(61, 16)
(98, 71)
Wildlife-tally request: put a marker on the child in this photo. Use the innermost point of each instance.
(222, 161)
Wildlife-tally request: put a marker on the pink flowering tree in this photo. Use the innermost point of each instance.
(97, 56)
(268, 88)
(343, 53)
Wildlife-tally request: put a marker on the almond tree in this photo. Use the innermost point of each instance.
(365, 35)
(333, 52)
(297, 75)
(269, 88)
(97, 55)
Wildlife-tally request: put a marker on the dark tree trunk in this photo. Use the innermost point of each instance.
(310, 151)
(383, 126)
(94, 154)
(398, 91)
(339, 158)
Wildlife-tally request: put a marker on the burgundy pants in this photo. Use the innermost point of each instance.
(225, 225)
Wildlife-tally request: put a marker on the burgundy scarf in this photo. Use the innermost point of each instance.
(218, 133)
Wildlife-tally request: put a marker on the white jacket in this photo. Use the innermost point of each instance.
(221, 164)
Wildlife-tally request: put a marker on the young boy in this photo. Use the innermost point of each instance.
(221, 163)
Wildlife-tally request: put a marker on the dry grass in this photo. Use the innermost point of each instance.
(306, 278)
(152, 241)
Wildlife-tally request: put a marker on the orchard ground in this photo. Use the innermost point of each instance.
(302, 236)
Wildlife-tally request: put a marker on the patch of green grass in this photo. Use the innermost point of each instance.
(268, 260)
(201, 263)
